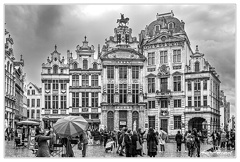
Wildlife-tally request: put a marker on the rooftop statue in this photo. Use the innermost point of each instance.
(122, 21)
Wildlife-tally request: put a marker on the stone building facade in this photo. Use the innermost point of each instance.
(202, 91)
(34, 107)
(166, 46)
(122, 81)
(10, 98)
(85, 84)
(55, 89)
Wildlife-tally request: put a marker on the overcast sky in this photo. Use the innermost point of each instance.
(36, 29)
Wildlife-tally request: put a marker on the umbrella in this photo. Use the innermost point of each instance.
(28, 123)
(70, 126)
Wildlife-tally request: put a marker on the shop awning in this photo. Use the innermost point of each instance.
(93, 120)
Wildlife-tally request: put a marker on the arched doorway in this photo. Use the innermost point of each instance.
(196, 122)
(110, 121)
(135, 120)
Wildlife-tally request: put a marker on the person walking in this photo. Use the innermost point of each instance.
(232, 139)
(185, 141)
(135, 139)
(214, 139)
(223, 139)
(141, 141)
(43, 149)
(178, 139)
(128, 143)
(197, 141)
(84, 142)
(162, 139)
(53, 139)
(152, 143)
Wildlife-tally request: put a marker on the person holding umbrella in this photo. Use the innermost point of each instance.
(43, 149)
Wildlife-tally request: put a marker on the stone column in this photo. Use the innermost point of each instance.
(80, 99)
(89, 99)
(80, 80)
(116, 120)
(129, 119)
(90, 80)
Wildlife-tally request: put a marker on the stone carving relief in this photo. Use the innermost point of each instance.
(163, 70)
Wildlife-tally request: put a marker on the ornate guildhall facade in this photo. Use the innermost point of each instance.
(122, 81)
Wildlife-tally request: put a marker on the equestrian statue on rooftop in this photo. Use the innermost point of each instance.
(122, 21)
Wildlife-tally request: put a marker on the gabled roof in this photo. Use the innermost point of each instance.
(36, 87)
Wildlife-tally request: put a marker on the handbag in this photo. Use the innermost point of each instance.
(139, 147)
(79, 146)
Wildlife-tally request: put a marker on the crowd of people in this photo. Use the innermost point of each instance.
(126, 142)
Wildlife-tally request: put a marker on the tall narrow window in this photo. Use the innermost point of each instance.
(204, 100)
(135, 72)
(28, 102)
(33, 102)
(38, 114)
(127, 38)
(28, 92)
(63, 85)
(55, 84)
(177, 122)
(135, 93)
(122, 93)
(38, 102)
(85, 99)
(110, 72)
(55, 102)
(55, 69)
(75, 80)
(171, 25)
(204, 84)
(94, 99)
(189, 101)
(33, 92)
(63, 102)
(157, 28)
(163, 57)
(164, 103)
(151, 121)
(47, 102)
(164, 84)
(122, 72)
(119, 38)
(189, 85)
(151, 85)
(75, 99)
(177, 83)
(85, 64)
(110, 93)
(94, 80)
(176, 55)
(197, 85)
(85, 80)
(151, 58)
(33, 114)
(197, 101)
(196, 66)
(47, 85)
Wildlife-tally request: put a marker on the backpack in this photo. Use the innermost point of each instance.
(190, 140)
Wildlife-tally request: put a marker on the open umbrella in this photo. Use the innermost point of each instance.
(28, 123)
(70, 126)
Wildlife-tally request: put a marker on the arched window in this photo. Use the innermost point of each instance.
(135, 120)
(55, 69)
(110, 121)
(171, 25)
(196, 66)
(74, 65)
(94, 65)
(8, 66)
(85, 64)
(10, 69)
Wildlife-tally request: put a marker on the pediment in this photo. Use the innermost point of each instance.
(177, 73)
(151, 75)
(164, 38)
(123, 54)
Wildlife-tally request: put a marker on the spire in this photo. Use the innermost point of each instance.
(55, 47)
(85, 38)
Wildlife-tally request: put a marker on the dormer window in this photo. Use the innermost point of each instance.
(94, 65)
(119, 38)
(157, 28)
(75, 65)
(197, 66)
(55, 69)
(127, 38)
(171, 25)
(85, 64)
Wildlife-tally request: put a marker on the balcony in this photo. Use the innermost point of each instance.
(163, 94)
(200, 109)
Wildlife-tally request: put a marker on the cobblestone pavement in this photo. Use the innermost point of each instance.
(99, 151)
